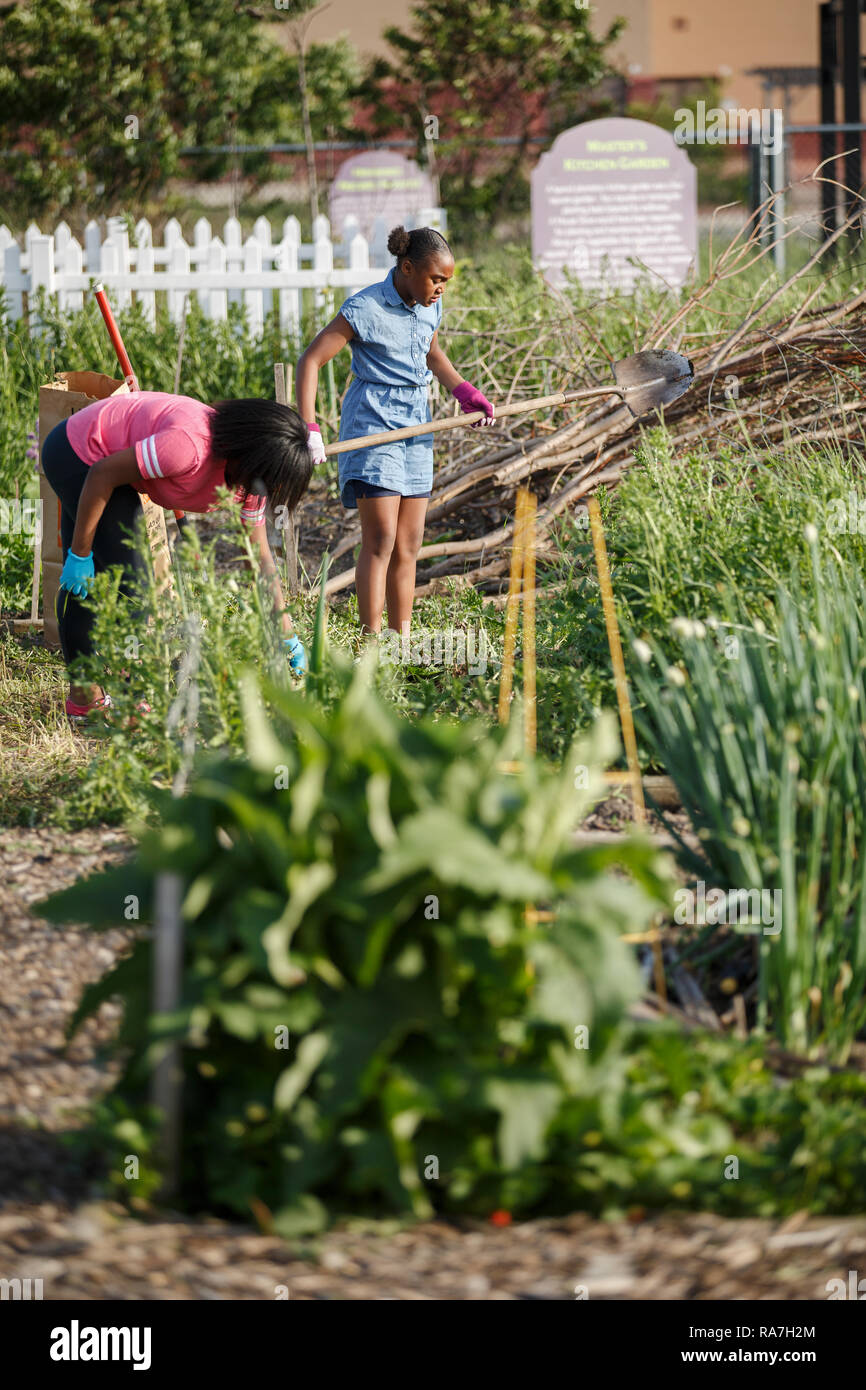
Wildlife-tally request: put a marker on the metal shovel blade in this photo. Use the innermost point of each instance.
(651, 379)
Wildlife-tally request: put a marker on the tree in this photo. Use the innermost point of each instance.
(324, 75)
(98, 97)
(299, 16)
(493, 68)
(281, 115)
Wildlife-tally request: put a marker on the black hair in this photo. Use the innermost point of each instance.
(419, 245)
(264, 445)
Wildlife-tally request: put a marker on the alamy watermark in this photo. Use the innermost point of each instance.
(20, 1289)
(720, 125)
(463, 647)
(77, 1343)
(744, 907)
(855, 1289)
(846, 515)
(21, 517)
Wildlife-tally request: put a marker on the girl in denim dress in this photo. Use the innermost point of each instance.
(393, 330)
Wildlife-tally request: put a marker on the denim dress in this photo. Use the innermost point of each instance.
(388, 391)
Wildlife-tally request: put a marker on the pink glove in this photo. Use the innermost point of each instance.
(315, 444)
(470, 399)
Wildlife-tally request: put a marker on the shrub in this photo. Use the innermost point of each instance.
(702, 1122)
(361, 882)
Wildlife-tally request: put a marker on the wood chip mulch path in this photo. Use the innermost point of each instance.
(95, 1252)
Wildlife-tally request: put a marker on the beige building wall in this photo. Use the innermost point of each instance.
(633, 46)
(695, 38)
(663, 39)
(363, 22)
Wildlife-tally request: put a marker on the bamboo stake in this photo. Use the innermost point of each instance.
(506, 679)
(166, 1080)
(613, 640)
(37, 566)
(283, 390)
(622, 698)
(522, 570)
(528, 500)
(529, 705)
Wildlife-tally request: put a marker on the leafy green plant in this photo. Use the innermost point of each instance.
(360, 882)
(765, 742)
(667, 1111)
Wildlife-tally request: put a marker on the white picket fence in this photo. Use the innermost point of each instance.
(218, 270)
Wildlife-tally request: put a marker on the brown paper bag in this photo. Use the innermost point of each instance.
(72, 391)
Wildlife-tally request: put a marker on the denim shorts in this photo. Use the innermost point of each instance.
(362, 489)
(402, 467)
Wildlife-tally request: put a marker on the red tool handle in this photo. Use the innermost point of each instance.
(116, 340)
(117, 343)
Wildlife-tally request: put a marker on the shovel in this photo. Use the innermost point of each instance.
(645, 381)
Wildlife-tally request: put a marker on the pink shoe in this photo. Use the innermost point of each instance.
(78, 714)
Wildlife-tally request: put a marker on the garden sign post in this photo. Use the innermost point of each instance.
(614, 200)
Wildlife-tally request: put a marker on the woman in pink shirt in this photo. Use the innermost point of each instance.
(178, 451)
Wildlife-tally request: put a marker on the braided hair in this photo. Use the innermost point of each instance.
(419, 245)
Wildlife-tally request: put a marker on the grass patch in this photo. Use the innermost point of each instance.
(42, 762)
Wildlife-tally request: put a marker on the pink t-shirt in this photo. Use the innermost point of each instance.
(171, 439)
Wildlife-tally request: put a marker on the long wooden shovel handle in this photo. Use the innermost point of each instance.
(365, 441)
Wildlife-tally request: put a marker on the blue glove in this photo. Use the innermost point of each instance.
(297, 656)
(76, 572)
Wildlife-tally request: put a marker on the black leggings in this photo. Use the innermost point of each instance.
(67, 474)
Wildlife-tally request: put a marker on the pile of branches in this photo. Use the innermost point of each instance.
(766, 383)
